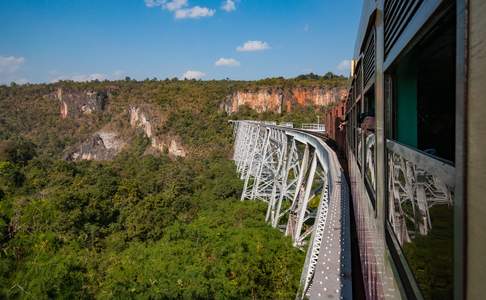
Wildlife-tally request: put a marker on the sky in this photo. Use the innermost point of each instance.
(51, 40)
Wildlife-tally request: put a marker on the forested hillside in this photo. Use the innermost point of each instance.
(125, 189)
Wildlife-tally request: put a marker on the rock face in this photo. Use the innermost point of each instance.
(141, 119)
(75, 103)
(176, 149)
(280, 99)
(103, 145)
(106, 144)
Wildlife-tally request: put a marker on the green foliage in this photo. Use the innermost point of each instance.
(139, 226)
(306, 80)
(17, 151)
(211, 257)
(10, 177)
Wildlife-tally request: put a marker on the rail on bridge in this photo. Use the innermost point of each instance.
(301, 180)
(313, 127)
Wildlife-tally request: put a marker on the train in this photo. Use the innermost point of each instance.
(413, 132)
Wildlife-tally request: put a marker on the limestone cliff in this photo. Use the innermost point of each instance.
(75, 103)
(282, 99)
(103, 145)
(149, 123)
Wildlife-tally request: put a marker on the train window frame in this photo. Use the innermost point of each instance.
(408, 284)
(358, 134)
(401, 264)
(370, 188)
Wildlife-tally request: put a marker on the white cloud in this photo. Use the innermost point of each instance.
(181, 8)
(56, 76)
(81, 77)
(191, 74)
(118, 74)
(21, 81)
(344, 66)
(175, 5)
(227, 62)
(253, 46)
(154, 3)
(170, 5)
(194, 13)
(89, 77)
(10, 64)
(228, 5)
(9, 67)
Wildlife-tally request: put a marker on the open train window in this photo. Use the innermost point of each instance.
(369, 142)
(424, 102)
(420, 156)
(358, 134)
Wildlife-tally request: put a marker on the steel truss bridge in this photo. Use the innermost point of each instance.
(299, 177)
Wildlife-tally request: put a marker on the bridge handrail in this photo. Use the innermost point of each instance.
(287, 124)
(313, 126)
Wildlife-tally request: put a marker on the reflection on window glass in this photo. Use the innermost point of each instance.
(425, 96)
(359, 147)
(368, 128)
(370, 159)
(420, 171)
(421, 214)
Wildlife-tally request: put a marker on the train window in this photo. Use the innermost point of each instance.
(420, 155)
(351, 129)
(369, 141)
(358, 134)
(425, 96)
(346, 126)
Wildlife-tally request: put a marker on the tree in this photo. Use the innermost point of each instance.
(330, 75)
(10, 176)
(17, 151)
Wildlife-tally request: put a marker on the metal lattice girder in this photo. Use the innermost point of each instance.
(263, 172)
(277, 172)
(279, 142)
(299, 210)
(298, 195)
(244, 140)
(254, 160)
(250, 149)
(289, 185)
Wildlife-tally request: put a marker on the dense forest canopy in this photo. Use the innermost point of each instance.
(142, 225)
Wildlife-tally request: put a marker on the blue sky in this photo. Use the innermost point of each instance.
(48, 40)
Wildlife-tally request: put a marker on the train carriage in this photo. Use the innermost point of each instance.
(415, 130)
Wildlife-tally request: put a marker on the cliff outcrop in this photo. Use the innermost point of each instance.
(276, 99)
(75, 103)
(103, 145)
(150, 124)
